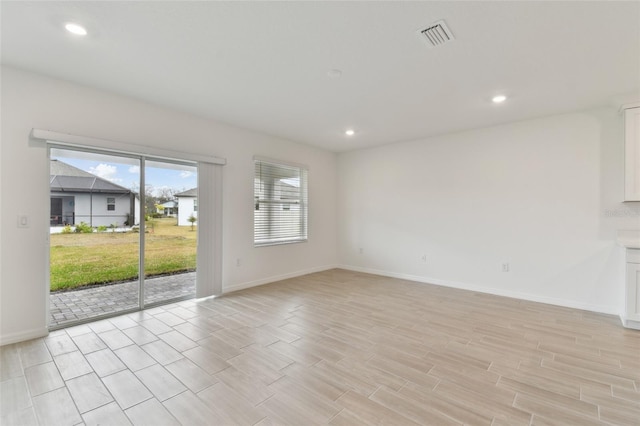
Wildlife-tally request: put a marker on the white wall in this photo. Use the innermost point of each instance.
(185, 210)
(32, 101)
(543, 195)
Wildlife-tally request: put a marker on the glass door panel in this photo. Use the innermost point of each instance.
(94, 235)
(171, 220)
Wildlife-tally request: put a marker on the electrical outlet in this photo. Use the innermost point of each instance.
(238, 262)
(505, 267)
(423, 258)
(361, 250)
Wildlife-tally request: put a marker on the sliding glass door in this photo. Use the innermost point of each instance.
(111, 217)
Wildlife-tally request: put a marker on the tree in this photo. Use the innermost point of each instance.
(164, 194)
(192, 219)
(150, 200)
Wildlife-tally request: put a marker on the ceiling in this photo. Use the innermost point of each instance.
(263, 65)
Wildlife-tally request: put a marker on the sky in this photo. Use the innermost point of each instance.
(126, 171)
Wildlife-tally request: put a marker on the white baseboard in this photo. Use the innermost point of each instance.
(489, 290)
(262, 281)
(628, 323)
(21, 336)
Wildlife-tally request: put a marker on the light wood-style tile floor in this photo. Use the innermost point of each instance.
(336, 347)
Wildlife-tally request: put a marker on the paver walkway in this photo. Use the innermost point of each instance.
(74, 305)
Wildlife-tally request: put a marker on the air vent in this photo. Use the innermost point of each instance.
(436, 34)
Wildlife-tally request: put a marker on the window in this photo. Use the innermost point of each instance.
(280, 209)
(195, 204)
(111, 204)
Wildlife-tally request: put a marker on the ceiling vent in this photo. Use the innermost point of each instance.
(436, 34)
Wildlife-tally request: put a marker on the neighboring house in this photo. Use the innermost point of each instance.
(187, 206)
(79, 196)
(168, 209)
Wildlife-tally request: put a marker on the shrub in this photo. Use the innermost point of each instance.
(67, 229)
(84, 228)
(192, 219)
(102, 228)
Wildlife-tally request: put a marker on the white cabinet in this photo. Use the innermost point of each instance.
(632, 154)
(632, 303)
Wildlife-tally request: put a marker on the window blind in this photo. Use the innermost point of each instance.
(209, 259)
(280, 203)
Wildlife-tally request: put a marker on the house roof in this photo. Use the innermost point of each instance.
(193, 192)
(67, 178)
(169, 204)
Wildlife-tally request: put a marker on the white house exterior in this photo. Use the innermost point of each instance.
(168, 209)
(78, 196)
(187, 206)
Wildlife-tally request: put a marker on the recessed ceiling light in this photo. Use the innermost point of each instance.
(335, 73)
(349, 132)
(499, 98)
(76, 29)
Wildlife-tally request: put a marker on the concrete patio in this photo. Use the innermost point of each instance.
(70, 306)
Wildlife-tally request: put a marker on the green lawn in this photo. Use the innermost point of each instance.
(98, 258)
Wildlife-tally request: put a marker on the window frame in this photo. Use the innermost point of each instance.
(302, 234)
(111, 205)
